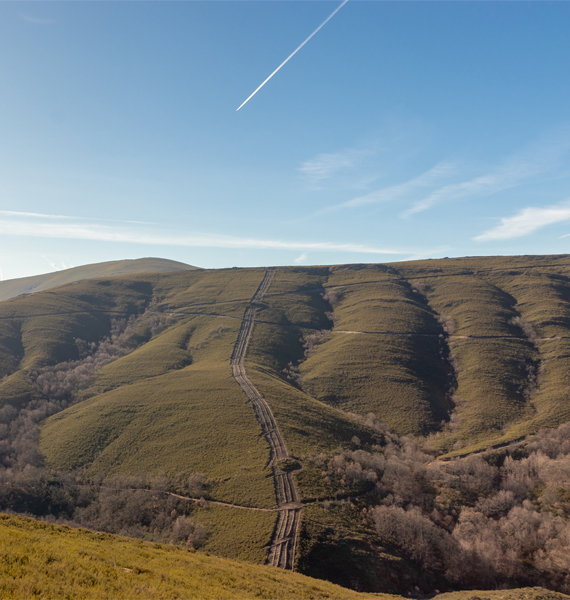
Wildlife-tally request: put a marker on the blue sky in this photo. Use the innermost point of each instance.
(402, 130)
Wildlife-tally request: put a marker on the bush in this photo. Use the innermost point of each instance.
(496, 519)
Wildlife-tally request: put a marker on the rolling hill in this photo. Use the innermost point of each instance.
(38, 283)
(309, 403)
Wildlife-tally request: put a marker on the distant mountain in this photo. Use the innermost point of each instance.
(38, 283)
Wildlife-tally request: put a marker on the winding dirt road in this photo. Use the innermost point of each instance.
(284, 539)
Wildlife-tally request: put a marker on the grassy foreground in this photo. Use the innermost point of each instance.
(518, 594)
(40, 560)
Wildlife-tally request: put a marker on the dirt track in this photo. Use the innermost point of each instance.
(283, 541)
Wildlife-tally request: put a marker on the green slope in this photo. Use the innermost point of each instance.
(387, 351)
(171, 405)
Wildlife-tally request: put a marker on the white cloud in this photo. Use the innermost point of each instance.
(538, 158)
(139, 235)
(527, 221)
(402, 190)
(301, 259)
(324, 166)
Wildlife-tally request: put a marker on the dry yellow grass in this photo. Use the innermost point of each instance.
(47, 561)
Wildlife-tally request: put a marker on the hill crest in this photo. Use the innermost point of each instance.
(38, 283)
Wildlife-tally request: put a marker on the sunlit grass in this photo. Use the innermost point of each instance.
(47, 561)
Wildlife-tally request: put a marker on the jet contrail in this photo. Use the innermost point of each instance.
(295, 52)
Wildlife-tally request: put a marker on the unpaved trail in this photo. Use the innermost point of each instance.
(451, 337)
(217, 503)
(284, 539)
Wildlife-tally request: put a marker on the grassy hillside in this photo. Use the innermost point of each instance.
(430, 346)
(171, 406)
(41, 329)
(135, 372)
(511, 377)
(40, 560)
(38, 283)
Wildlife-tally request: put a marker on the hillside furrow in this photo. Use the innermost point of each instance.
(283, 542)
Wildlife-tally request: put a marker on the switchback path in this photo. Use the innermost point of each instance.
(284, 539)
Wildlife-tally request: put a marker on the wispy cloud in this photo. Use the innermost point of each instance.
(301, 259)
(537, 159)
(13, 213)
(449, 180)
(403, 190)
(324, 166)
(38, 20)
(527, 221)
(70, 229)
(502, 178)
